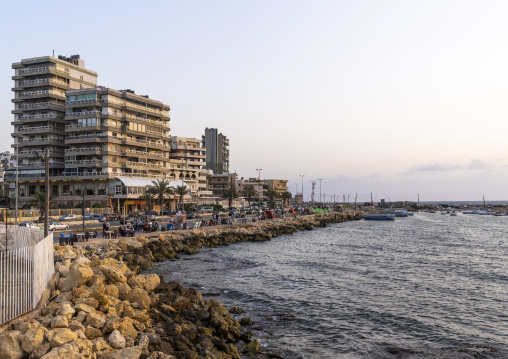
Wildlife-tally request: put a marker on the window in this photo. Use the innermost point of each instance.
(54, 190)
(77, 189)
(22, 190)
(90, 188)
(102, 188)
(66, 190)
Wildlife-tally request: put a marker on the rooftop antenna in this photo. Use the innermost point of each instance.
(53, 53)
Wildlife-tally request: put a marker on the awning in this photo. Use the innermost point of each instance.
(144, 182)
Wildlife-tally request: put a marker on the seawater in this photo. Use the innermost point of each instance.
(433, 285)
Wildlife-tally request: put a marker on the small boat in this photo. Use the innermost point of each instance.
(469, 211)
(401, 213)
(444, 212)
(379, 214)
(432, 211)
(453, 213)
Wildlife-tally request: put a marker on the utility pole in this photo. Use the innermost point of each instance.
(418, 200)
(371, 198)
(16, 187)
(260, 189)
(312, 195)
(46, 186)
(356, 195)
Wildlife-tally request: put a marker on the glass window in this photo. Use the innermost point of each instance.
(66, 190)
(31, 189)
(77, 189)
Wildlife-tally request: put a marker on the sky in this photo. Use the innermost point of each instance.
(393, 98)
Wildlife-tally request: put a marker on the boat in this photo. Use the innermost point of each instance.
(379, 214)
(453, 213)
(401, 213)
(444, 212)
(469, 211)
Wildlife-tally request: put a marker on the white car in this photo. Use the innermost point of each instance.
(68, 217)
(30, 225)
(55, 226)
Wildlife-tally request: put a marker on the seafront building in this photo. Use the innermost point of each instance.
(217, 151)
(105, 145)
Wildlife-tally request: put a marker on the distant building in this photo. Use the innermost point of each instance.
(7, 160)
(279, 186)
(217, 151)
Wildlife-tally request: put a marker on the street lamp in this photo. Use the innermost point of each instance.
(260, 188)
(320, 179)
(302, 187)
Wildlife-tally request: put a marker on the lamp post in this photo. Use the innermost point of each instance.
(83, 209)
(181, 199)
(296, 194)
(320, 179)
(302, 187)
(260, 188)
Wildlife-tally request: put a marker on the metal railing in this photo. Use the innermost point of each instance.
(26, 266)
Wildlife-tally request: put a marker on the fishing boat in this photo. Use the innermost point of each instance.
(453, 213)
(401, 213)
(379, 214)
(469, 211)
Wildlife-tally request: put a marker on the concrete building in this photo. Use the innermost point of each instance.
(217, 151)
(189, 153)
(39, 100)
(7, 160)
(279, 186)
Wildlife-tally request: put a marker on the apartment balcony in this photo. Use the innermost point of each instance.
(144, 143)
(91, 139)
(83, 163)
(28, 95)
(40, 165)
(128, 106)
(37, 71)
(31, 154)
(57, 117)
(41, 82)
(83, 151)
(41, 142)
(141, 165)
(81, 114)
(39, 129)
(82, 103)
(143, 154)
(64, 176)
(39, 106)
(78, 127)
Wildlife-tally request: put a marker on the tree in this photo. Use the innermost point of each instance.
(271, 195)
(148, 197)
(160, 188)
(230, 194)
(286, 196)
(181, 191)
(249, 193)
(38, 200)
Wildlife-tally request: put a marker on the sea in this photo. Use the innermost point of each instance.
(426, 286)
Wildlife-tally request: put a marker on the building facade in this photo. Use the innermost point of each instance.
(217, 151)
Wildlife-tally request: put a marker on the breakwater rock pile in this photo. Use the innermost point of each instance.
(100, 307)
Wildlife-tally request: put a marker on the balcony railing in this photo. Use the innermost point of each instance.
(42, 81)
(83, 162)
(81, 101)
(37, 104)
(143, 164)
(83, 149)
(30, 117)
(82, 113)
(41, 92)
(141, 153)
(35, 69)
(42, 140)
(33, 164)
(21, 129)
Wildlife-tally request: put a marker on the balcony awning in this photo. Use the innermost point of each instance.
(143, 182)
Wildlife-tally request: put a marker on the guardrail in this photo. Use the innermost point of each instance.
(26, 266)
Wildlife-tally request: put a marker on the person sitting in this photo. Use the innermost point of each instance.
(131, 232)
(122, 231)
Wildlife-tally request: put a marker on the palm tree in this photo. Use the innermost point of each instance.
(160, 188)
(249, 193)
(148, 197)
(38, 200)
(286, 196)
(181, 191)
(230, 194)
(271, 195)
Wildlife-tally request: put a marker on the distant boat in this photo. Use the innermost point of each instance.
(453, 213)
(379, 214)
(444, 212)
(401, 213)
(469, 211)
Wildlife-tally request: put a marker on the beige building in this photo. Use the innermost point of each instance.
(279, 186)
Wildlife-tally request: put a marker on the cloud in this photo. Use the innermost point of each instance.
(477, 165)
(436, 167)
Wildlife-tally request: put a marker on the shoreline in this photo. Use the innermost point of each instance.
(102, 307)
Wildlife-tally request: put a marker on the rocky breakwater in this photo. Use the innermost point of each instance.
(102, 309)
(171, 245)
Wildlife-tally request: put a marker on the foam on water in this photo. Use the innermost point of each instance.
(423, 286)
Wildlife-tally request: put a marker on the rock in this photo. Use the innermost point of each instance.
(81, 316)
(123, 291)
(128, 312)
(60, 336)
(63, 270)
(112, 274)
(252, 348)
(151, 282)
(127, 353)
(92, 333)
(129, 244)
(137, 281)
(96, 320)
(116, 340)
(100, 344)
(74, 325)
(246, 321)
(76, 349)
(60, 321)
(140, 296)
(236, 310)
(112, 323)
(81, 259)
(160, 355)
(40, 350)
(9, 345)
(181, 303)
(78, 275)
(112, 290)
(127, 328)
(32, 338)
(84, 308)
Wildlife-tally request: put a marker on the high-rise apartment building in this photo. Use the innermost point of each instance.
(217, 151)
(39, 108)
(106, 146)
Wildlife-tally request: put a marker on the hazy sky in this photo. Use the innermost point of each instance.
(391, 97)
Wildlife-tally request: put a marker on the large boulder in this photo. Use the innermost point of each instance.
(76, 349)
(113, 274)
(60, 336)
(140, 296)
(116, 340)
(9, 345)
(79, 274)
(96, 320)
(127, 353)
(32, 339)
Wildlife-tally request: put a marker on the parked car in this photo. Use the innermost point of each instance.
(67, 217)
(97, 217)
(155, 213)
(29, 225)
(56, 226)
(88, 216)
(50, 219)
(111, 216)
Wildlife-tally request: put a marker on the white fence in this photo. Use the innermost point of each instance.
(26, 266)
